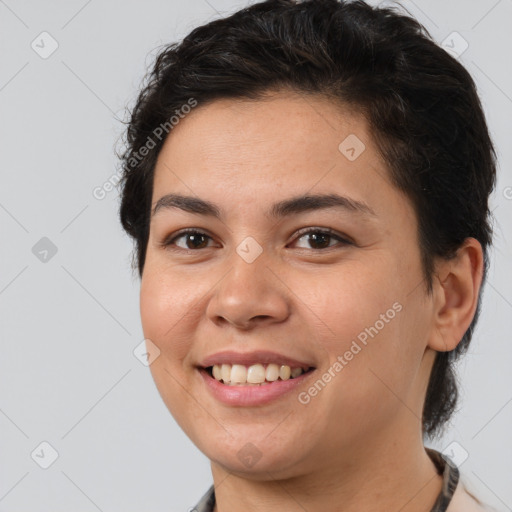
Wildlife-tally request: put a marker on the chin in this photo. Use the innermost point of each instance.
(262, 461)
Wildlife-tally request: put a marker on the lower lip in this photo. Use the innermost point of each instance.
(246, 396)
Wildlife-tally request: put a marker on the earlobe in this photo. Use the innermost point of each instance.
(456, 289)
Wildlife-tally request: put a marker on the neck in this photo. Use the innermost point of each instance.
(394, 475)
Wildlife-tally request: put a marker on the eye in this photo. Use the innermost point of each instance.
(320, 238)
(195, 239)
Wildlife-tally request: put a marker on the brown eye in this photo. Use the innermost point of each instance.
(319, 239)
(193, 240)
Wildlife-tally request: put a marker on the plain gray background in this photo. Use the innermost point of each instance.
(70, 319)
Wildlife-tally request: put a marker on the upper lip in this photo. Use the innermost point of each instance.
(250, 358)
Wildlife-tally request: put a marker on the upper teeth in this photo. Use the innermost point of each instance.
(254, 374)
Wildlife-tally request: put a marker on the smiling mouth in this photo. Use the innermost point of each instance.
(254, 375)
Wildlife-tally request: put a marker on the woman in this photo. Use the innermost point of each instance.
(307, 186)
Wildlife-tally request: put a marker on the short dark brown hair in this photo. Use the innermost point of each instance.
(420, 102)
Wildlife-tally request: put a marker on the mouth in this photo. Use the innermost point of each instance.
(259, 374)
(238, 392)
(253, 378)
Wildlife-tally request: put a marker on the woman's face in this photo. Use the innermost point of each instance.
(350, 304)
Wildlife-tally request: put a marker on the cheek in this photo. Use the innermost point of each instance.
(164, 309)
(375, 331)
(350, 301)
(165, 306)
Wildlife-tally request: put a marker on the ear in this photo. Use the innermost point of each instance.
(456, 286)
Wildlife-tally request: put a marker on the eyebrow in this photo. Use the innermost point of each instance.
(287, 207)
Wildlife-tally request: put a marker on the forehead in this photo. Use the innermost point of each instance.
(288, 144)
(278, 122)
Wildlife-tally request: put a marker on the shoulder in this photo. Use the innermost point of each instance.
(464, 501)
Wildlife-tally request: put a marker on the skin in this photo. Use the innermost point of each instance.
(357, 445)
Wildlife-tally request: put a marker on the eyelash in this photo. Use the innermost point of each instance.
(169, 241)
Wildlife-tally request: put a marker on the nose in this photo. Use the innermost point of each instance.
(250, 294)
